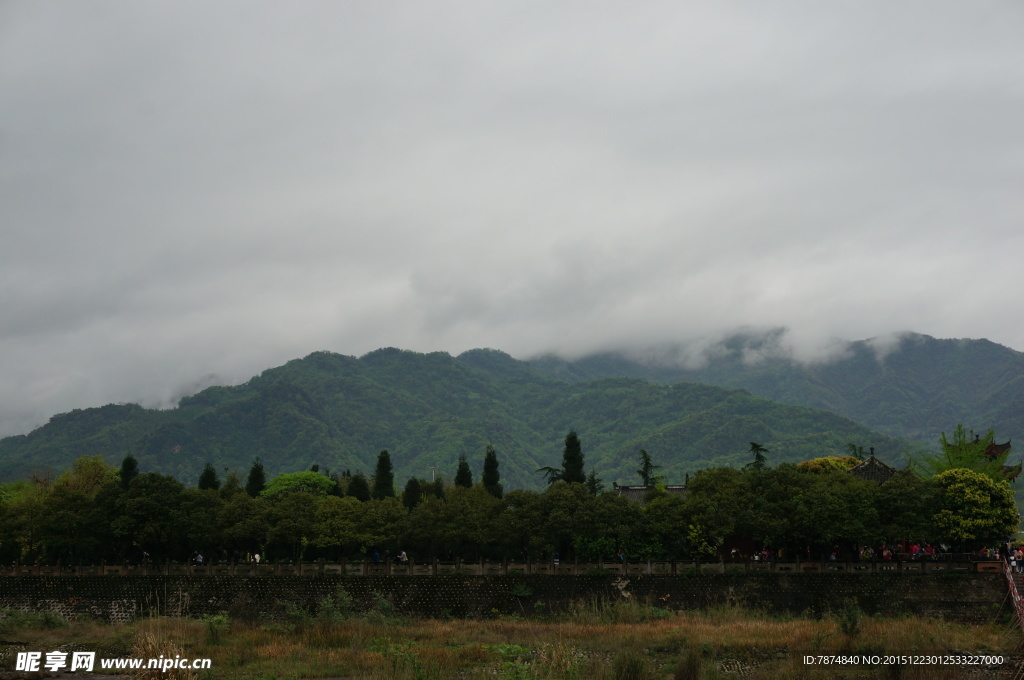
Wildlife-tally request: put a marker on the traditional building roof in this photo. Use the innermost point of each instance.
(873, 470)
(639, 492)
(995, 451)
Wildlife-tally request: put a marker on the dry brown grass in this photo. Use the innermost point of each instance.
(724, 643)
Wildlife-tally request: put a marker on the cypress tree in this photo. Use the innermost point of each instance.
(463, 476)
(358, 488)
(257, 479)
(129, 470)
(572, 460)
(412, 495)
(384, 477)
(208, 479)
(491, 477)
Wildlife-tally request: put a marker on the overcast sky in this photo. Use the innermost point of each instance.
(194, 192)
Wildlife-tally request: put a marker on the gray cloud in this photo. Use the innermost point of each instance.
(190, 191)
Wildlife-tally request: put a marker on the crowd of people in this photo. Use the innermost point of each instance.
(901, 551)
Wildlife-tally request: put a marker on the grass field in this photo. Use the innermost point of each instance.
(595, 640)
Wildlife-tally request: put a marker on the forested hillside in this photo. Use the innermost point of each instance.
(914, 390)
(428, 409)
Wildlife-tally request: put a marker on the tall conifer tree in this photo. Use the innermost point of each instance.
(572, 460)
(491, 477)
(384, 477)
(257, 479)
(208, 479)
(463, 475)
(412, 495)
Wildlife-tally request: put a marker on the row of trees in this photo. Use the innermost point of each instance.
(95, 512)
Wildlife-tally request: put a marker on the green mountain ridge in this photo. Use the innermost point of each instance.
(914, 390)
(339, 411)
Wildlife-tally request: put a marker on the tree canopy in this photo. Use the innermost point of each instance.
(85, 515)
(312, 483)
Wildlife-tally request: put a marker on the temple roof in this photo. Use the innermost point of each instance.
(997, 450)
(873, 470)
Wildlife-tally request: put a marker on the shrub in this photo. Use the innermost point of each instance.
(15, 619)
(849, 618)
(335, 608)
(630, 665)
(216, 627)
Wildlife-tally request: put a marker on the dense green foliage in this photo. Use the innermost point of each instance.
(974, 506)
(86, 516)
(307, 482)
(427, 410)
(911, 388)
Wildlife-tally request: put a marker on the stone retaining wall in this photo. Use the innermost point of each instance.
(971, 597)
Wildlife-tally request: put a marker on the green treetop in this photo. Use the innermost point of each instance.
(974, 508)
(413, 494)
(463, 475)
(257, 479)
(491, 477)
(208, 479)
(760, 457)
(572, 463)
(293, 482)
(384, 477)
(129, 470)
(647, 468)
(572, 460)
(358, 487)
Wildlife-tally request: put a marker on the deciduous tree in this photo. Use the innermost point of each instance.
(974, 508)
(312, 483)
